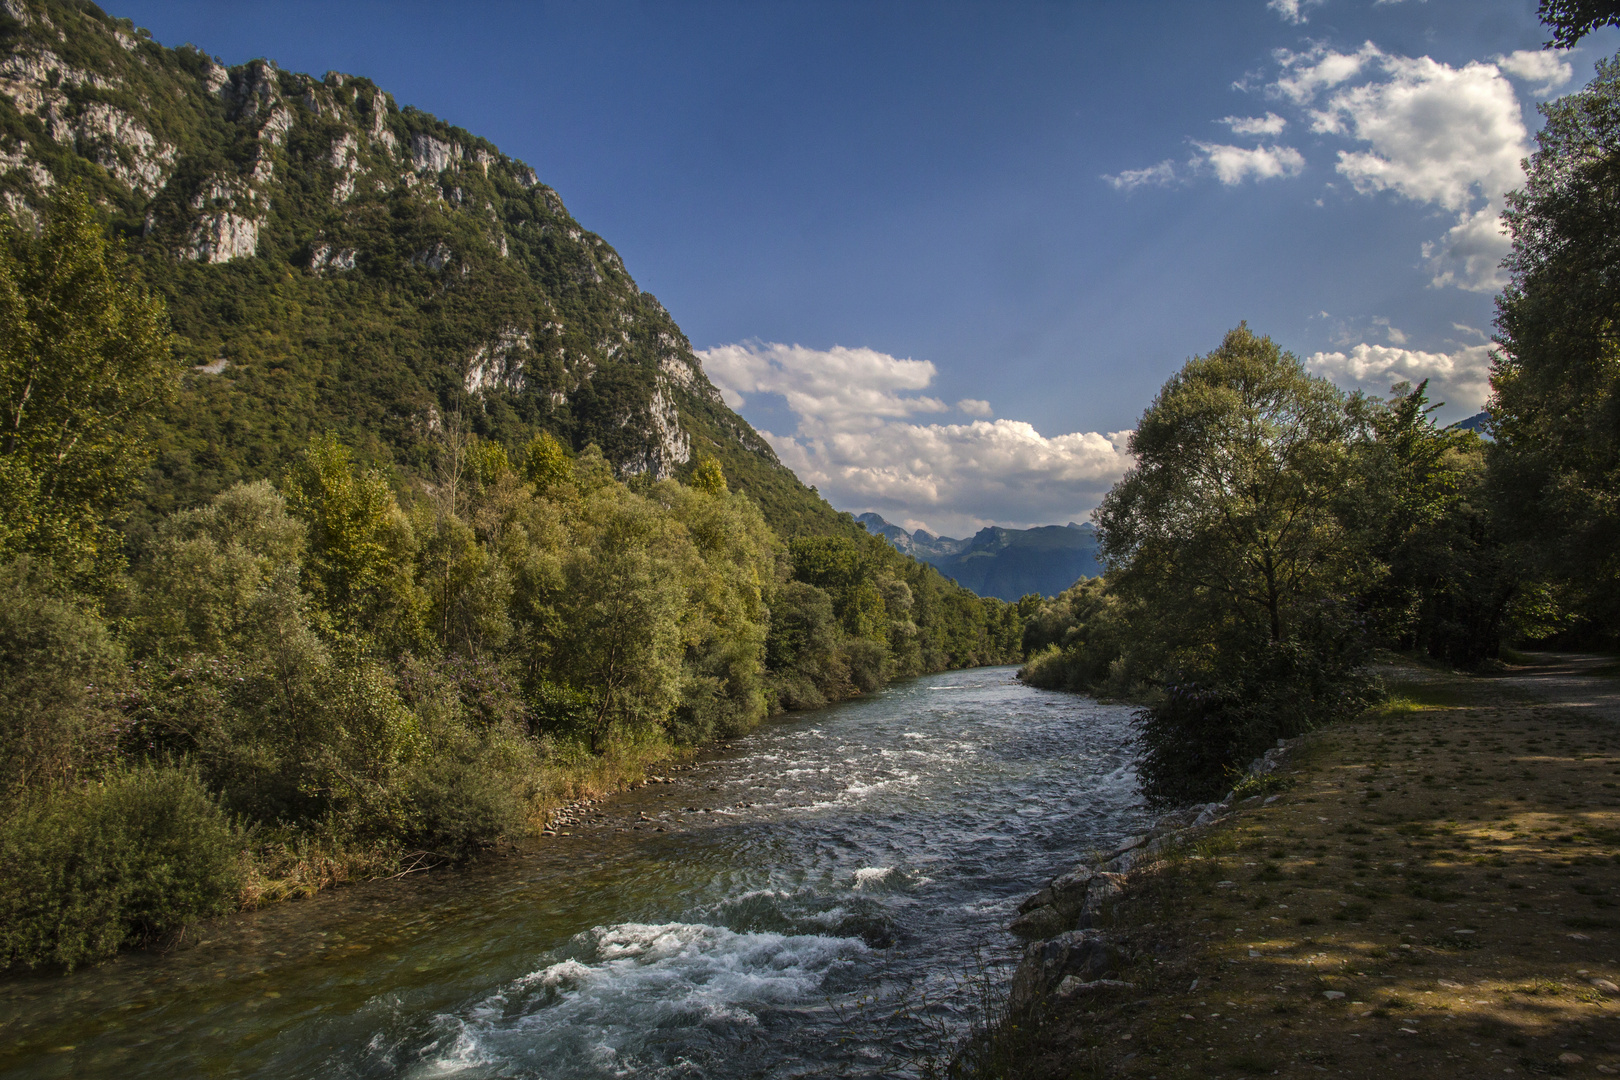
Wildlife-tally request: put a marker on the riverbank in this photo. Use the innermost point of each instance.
(1433, 886)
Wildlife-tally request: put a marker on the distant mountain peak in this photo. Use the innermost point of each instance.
(1002, 562)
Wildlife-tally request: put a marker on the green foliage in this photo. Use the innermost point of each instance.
(1232, 562)
(84, 364)
(90, 868)
(1419, 504)
(708, 476)
(1076, 640)
(60, 670)
(359, 546)
(1571, 20)
(1555, 463)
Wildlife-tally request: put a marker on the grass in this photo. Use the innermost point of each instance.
(1463, 912)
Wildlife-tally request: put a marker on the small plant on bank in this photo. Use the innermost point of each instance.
(1246, 786)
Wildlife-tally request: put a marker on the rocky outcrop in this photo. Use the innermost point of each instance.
(324, 257)
(1072, 951)
(431, 155)
(499, 365)
(228, 227)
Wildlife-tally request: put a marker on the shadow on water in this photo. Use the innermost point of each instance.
(763, 916)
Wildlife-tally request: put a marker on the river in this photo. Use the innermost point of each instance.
(826, 896)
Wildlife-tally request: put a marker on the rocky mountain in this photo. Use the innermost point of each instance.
(332, 260)
(1005, 563)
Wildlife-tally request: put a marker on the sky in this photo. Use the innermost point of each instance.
(943, 255)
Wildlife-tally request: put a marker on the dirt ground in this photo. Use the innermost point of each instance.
(1437, 892)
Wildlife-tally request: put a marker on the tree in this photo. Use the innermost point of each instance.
(1444, 584)
(85, 363)
(1555, 413)
(358, 558)
(1572, 20)
(1227, 551)
(1231, 504)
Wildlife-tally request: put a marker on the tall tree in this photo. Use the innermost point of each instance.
(1555, 464)
(1227, 544)
(85, 363)
(1231, 503)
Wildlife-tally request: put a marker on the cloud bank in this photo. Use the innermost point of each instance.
(859, 439)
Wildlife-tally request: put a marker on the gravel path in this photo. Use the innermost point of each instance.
(1568, 680)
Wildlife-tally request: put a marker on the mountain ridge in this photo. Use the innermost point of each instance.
(334, 261)
(1000, 562)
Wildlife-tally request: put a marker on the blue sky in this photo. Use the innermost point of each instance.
(945, 254)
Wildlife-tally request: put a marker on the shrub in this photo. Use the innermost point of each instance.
(1046, 670)
(125, 861)
(58, 666)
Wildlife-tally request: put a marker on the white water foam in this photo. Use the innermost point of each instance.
(872, 875)
(592, 1014)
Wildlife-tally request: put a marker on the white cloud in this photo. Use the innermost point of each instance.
(1435, 133)
(847, 388)
(1269, 124)
(1235, 164)
(1293, 11)
(975, 407)
(1305, 74)
(1470, 255)
(1461, 378)
(1544, 66)
(1161, 175)
(1429, 132)
(857, 442)
(1396, 336)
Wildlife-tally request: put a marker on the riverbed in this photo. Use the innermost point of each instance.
(826, 896)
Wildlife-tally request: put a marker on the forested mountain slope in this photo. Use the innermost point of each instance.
(332, 261)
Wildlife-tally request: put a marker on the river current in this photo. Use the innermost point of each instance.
(826, 896)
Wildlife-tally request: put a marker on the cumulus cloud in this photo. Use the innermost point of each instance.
(1547, 67)
(1161, 175)
(1460, 378)
(1269, 124)
(1234, 164)
(1452, 137)
(859, 439)
(846, 388)
(1306, 74)
(1293, 11)
(1470, 255)
(1435, 133)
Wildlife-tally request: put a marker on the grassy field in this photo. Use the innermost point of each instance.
(1437, 890)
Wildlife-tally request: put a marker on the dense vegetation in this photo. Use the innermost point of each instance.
(1273, 530)
(346, 669)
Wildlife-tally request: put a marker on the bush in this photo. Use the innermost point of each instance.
(58, 668)
(125, 861)
(1213, 720)
(1046, 670)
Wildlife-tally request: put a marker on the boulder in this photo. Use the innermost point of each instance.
(1084, 955)
(1040, 899)
(1041, 922)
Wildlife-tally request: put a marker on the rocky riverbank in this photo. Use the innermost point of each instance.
(1073, 953)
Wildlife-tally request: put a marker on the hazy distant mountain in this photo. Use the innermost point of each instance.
(1007, 563)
